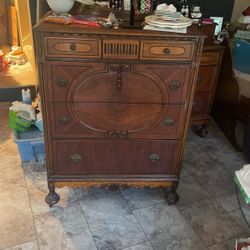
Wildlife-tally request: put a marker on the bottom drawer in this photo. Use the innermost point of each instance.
(74, 157)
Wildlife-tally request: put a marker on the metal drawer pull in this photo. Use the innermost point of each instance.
(169, 122)
(167, 51)
(72, 46)
(154, 157)
(64, 120)
(123, 134)
(112, 134)
(61, 82)
(76, 157)
(174, 85)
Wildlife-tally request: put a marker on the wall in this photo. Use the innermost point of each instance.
(239, 6)
(3, 31)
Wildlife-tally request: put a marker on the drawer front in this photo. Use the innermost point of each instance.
(72, 47)
(112, 120)
(81, 157)
(210, 58)
(202, 103)
(117, 83)
(167, 50)
(206, 78)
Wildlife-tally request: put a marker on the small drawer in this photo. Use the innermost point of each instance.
(210, 58)
(202, 103)
(206, 78)
(166, 50)
(80, 157)
(72, 47)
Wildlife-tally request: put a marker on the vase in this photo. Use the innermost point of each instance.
(60, 6)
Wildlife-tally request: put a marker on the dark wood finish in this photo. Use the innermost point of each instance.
(205, 87)
(117, 113)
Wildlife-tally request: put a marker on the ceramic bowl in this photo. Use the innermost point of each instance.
(61, 6)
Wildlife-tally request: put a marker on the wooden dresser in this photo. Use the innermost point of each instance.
(116, 105)
(206, 86)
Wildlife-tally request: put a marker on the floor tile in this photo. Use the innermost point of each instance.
(63, 229)
(142, 246)
(226, 245)
(16, 217)
(32, 245)
(237, 215)
(166, 228)
(211, 222)
(190, 191)
(216, 180)
(109, 216)
(37, 188)
(143, 197)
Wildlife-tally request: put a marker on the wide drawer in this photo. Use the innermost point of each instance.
(201, 103)
(166, 51)
(81, 157)
(72, 47)
(210, 58)
(206, 78)
(116, 120)
(117, 83)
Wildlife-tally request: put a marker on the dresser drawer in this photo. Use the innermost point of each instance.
(72, 47)
(201, 103)
(206, 78)
(210, 58)
(166, 50)
(114, 120)
(117, 83)
(80, 157)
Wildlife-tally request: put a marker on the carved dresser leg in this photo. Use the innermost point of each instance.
(171, 196)
(52, 197)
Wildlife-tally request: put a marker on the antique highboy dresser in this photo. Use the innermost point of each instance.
(116, 104)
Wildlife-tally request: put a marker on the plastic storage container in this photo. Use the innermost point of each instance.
(241, 55)
(30, 143)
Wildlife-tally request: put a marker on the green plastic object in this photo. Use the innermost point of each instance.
(243, 194)
(17, 123)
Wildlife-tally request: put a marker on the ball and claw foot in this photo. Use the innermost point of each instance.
(172, 197)
(52, 197)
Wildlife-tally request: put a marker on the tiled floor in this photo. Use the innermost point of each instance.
(206, 217)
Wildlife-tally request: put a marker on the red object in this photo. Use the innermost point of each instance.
(84, 22)
(3, 61)
(246, 12)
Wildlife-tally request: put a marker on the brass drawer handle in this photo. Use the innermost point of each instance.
(166, 51)
(76, 157)
(61, 82)
(72, 47)
(168, 122)
(154, 157)
(174, 85)
(112, 134)
(64, 120)
(123, 134)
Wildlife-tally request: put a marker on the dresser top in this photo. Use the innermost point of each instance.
(192, 32)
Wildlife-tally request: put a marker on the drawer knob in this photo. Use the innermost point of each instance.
(72, 47)
(168, 122)
(174, 85)
(154, 157)
(76, 157)
(64, 120)
(166, 51)
(61, 82)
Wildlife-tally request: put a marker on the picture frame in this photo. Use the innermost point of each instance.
(219, 22)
